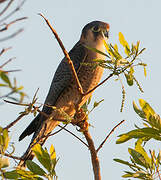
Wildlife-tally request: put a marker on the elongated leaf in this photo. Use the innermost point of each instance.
(140, 133)
(5, 78)
(128, 164)
(138, 158)
(138, 111)
(141, 150)
(11, 174)
(35, 168)
(129, 79)
(97, 103)
(145, 73)
(124, 43)
(155, 121)
(96, 50)
(52, 152)
(42, 156)
(6, 139)
(148, 110)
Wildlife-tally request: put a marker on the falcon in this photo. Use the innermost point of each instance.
(63, 93)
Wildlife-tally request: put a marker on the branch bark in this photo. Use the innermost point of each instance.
(94, 157)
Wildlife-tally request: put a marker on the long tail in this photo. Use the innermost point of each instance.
(40, 136)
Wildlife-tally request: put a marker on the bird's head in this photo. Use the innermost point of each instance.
(94, 33)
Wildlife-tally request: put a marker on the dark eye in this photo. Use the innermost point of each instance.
(95, 29)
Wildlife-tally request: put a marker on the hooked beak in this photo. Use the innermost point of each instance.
(106, 33)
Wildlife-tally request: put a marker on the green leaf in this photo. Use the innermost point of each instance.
(27, 175)
(140, 133)
(42, 156)
(155, 121)
(52, 152)
(148, 110)
(137, 157)
(145, 74)
(96, 50)
(138, 111)
(6, 139)
(141, 150)
(5, 78)
(35, 168)
(3, 85)
(127, 163)
(97, 103)
(127, 175)
(129, 79)
(124, 43)
(11, 175)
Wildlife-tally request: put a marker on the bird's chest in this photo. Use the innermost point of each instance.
(89, 76)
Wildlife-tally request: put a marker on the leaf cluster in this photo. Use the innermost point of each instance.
(35, 172)
(142, 165)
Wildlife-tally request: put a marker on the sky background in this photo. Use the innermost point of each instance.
(38, 55)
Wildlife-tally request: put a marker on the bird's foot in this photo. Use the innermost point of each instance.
(81, 120)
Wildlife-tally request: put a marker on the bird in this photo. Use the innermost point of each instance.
(63, 93)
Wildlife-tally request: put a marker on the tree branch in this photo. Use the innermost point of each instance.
(99, 84)
(14, 11)
(13, 22)
(5, 9)
(12, 35)
(109, 135)
(94, 157)
(66, 55)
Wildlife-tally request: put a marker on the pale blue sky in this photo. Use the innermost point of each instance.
(38, 55)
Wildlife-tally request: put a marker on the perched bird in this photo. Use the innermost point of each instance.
(63, 93)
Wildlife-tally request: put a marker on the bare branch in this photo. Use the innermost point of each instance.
(98, 85)
(13, 22)
(66, 55)
(13, 12)
(5, 9)
(4, 50)
(109, 135)
(94, 157)
(6, 95)
(14, 70)
(14, 122)
(12, 35)
(73, 135)
(11, 156)
(6, 62)
(15, 103)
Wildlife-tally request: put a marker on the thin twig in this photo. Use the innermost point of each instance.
(5, 9)
(98, 85)
(4, 50)
(15, 103)
(6, 95)
(11, 156)
(94, 157)
(62, 128)
(7, 62)
(14, 70)
(66, 55)
(74, 135)
(109, 135)
(13, 22)
(12, 35)
(14, 122)
(13, 12)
